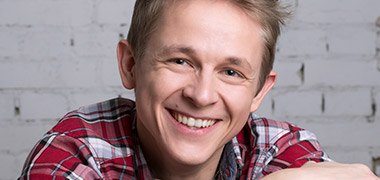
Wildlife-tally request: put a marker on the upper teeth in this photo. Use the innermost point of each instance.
(192, 122)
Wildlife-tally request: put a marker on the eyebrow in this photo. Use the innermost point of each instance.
(242, 62)
(177, 49)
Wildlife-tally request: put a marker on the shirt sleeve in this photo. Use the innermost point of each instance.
(59, 156)
(294, 149)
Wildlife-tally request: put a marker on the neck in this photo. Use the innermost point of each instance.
(163, 166)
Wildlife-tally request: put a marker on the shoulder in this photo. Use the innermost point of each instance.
(279, 144)
(271, 131)
(87, 142)
(97, 119)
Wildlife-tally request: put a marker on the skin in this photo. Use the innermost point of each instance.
(203, 62)
(324, 171)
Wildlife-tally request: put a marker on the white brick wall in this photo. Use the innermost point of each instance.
(6, 105)
(59, 55)
(348, 102)
(289, 73)
(337, 11)
(44, 12)
(298, 103)
(345, 72)
(38, 105)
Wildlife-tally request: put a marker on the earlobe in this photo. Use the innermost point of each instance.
(269, 83)
(126, 63)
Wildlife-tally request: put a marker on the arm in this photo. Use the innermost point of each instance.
(58, 156)
(303, 157)
(298, 155)
(324, 170)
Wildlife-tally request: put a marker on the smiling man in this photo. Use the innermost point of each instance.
(199, 69)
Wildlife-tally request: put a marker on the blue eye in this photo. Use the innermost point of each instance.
(179, 61)
(231, 72)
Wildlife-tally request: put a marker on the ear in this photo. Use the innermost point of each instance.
(126, 64)
(269, 82)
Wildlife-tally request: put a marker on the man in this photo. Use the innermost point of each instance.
(198, 68)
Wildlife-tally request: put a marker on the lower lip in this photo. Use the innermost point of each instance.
(191, 131)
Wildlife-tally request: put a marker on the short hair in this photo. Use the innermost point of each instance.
(269, 14)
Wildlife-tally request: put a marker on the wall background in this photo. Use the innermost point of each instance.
(56, 55)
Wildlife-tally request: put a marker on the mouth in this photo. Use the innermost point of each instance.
(193, 122)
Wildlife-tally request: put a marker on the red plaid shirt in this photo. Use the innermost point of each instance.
(100, 142)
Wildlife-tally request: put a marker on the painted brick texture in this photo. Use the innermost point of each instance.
(58, 55)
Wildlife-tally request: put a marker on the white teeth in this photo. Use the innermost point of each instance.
(205, 123)
(198, 123)
(191, 122)
(184, 120)
(178, 117)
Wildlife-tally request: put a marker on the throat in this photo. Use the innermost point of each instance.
(165, 165)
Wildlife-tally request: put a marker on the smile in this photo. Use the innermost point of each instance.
(193, 122)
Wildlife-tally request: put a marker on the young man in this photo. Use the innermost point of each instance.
(198, 68)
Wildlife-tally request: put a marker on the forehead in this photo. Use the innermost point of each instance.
(210, 26)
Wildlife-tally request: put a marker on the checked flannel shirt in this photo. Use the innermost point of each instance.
(100, 142)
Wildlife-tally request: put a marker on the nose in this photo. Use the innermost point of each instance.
(201, 92)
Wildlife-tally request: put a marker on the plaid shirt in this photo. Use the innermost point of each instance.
(100, 142)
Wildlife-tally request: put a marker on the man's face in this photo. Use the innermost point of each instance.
(196, 84)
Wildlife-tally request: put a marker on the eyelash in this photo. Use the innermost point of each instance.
(236, 73)
(181, 61)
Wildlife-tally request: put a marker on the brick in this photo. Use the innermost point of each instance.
(47, 43)
(115, 12)
(377, 102)
(110, 73)
(13, 37)
(349, 102)
(20, 160)
(96, 42)
(129, 94)
(6, 106)
(80, 99)
(350, 155)
(297, 103)
(26, 74)
(341, 73)
(42, 12)
(344, 132)
(41, 105)
(353, 40)
(288, 73)
(8, 170)
(35, 43)
(24, 137)
(82, 73)
(265, 108)
(293, 42)
(338, 11)
(38, 74)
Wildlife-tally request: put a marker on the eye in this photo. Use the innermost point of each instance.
(233, 73)
(179, 61)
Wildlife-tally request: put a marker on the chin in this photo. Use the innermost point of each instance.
(191, 154)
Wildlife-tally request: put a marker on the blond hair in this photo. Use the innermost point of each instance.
(268, 13)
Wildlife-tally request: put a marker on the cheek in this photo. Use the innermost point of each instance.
(238, 102)
(159, 85)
